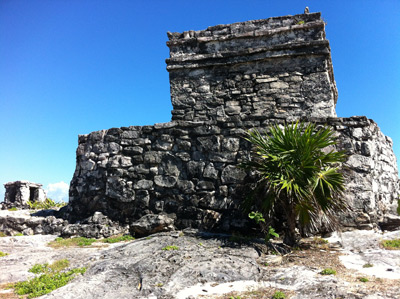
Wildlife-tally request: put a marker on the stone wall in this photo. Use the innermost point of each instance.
(225, 80)
(188, 169)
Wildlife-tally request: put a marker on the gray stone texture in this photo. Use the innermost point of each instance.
(280, 67)
(225, 80)
(18, 194)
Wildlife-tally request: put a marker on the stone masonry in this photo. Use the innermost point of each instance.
(278, 67)
(225, 80)
(18, 194)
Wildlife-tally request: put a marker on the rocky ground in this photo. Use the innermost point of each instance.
(211, 266)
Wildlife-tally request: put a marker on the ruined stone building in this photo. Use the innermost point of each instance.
(18, 194)
(225, 80)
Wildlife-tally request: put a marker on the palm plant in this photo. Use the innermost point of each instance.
(298, 175)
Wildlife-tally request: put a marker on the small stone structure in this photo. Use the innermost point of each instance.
(225, 80)
(18, 194)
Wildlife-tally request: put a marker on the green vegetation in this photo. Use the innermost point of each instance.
(52, 277)
(268, 231)
(328, 271)
(73, 242)
(278, 295)
(45, 205)
(398, 205)
(3, 253)
(368, 265)
(19, 234)
(391, 244)
(300, 22)
(116, 239)
(2, 234)
(57, 266)
(297, 176)
(170, 247)
(363, 279)
(84, 242)
(46, 283)
(13, 209)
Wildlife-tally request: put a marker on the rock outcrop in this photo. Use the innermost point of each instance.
(203, 265)
(225, 80)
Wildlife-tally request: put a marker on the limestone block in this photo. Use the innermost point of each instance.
(165, 181)
(150, 224)
(144, 185)
(210, 171)
(232, 174)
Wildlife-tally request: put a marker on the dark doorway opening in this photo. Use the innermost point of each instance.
(32, 191)
(12, 194)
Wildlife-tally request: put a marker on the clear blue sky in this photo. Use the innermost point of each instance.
(70, 67)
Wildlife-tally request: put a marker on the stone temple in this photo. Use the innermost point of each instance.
(18, 194)
(225, 80)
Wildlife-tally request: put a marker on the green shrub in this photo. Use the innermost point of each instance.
(298, 176)
(116, 239)
(3, 253)
(19, 234)
(363, 279)
(45, 205)
(328, 271)
(46, 283)
(170, 247)
(57, 266)
(39, 268)
(13, 209)
(2, 234)
(278, 295)
(391, 244)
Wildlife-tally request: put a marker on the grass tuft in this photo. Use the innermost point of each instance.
(116, 239)
(72, 242)
(279, 295)
(328, 271)
(3, 253)
(170, 247)
(368, 265)
(391, 244)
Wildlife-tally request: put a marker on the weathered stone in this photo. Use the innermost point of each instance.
(150, 224)
(390, 223)
(165, 181)
(19, 193)
(232, 174)
(144, 184)
(210, 172)
(225, 82)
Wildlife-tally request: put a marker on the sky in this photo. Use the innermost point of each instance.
(70, 67)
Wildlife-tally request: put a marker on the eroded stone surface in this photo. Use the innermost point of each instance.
(202, 265)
